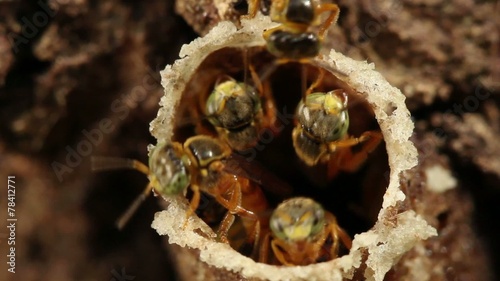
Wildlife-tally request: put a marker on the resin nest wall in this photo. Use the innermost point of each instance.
(374, 251)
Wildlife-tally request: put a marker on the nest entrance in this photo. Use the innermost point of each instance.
(354, 198)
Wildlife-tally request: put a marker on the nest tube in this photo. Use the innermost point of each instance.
(374, 252)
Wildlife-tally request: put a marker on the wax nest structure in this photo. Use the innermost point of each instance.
(376, 248)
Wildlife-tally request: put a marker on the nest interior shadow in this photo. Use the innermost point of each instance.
(354, 198)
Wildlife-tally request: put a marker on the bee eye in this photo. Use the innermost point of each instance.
(169, 170)
(277, 227)
(318, 220)
(280, 227)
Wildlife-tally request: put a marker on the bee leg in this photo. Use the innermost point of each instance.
(335, 162)
(346, 143)
(252, 228)
(332, 18)
(332, 230)
(341, 157)
(253, 7)
(371, 140)
(256, 237)
(233, 205)
(193, 205)
(314, 250)
(264, 248)
(337, 234)
(278, 253)
(235, 202)
(344, 237)
(224, 226)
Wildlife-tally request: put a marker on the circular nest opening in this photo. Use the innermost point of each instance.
(383, 232)
(354, 198)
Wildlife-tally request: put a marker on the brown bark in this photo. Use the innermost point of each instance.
(60, 76)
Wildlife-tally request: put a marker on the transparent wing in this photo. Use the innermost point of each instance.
(256, 172)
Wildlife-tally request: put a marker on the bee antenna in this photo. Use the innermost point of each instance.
(269, 69)
(125, 217)
(245, 65)
(222, 78)
(100, 163)
(303, 81)
(319, 79)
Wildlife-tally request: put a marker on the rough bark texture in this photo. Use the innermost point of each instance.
(63, 64)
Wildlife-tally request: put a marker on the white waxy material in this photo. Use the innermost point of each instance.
(386, 242)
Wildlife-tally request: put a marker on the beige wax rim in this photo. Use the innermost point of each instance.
(391, 236)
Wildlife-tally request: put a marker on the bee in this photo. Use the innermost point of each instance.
(303, 233)
(321, 133)
(204, 164)
(236, 111)
(291, 40)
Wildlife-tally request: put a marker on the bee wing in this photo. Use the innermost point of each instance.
(254, 171)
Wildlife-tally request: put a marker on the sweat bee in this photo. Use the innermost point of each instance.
(303, 233)
(292, 40)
